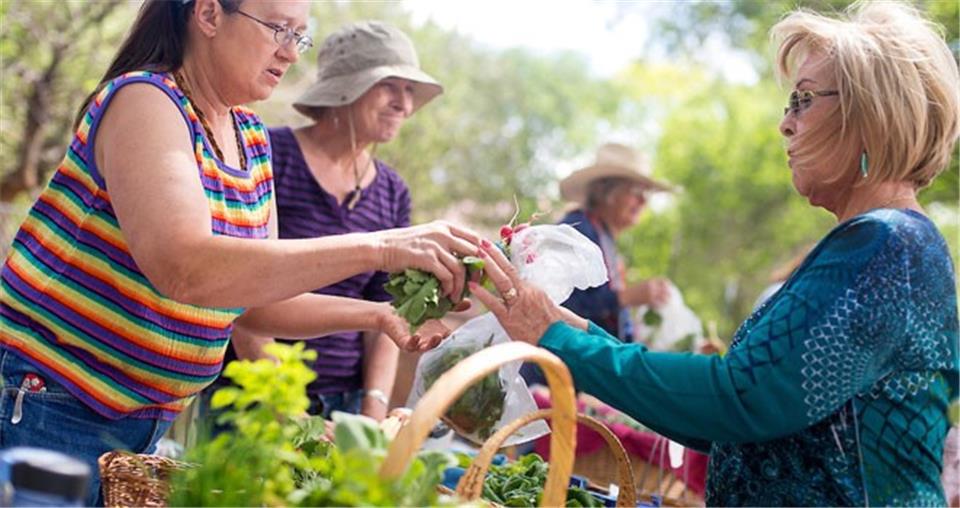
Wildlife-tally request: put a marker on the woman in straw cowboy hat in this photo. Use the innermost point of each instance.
(610, 194)
(328, 182)
(835, 391)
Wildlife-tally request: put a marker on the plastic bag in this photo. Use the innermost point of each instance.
(497, 399)
(671, 327)
(558, 259)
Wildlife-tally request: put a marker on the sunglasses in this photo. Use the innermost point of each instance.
(802, 100)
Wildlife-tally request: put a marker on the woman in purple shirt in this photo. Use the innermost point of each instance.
(328, 182)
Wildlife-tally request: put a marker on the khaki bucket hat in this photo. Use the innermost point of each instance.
(358, 56)
(613, 161)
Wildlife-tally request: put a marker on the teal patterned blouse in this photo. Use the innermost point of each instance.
(834, 392)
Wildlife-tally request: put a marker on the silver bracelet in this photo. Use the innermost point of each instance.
(378, 395)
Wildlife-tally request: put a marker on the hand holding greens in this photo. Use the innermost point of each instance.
(416, 294)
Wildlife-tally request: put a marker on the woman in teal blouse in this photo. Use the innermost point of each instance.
(835, 391)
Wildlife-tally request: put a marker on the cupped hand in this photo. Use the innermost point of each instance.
(524, 310)
(427, 337)
(432, 247)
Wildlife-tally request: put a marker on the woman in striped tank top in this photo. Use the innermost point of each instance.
(156, 237)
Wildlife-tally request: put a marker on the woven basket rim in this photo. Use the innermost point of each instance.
(132, 479)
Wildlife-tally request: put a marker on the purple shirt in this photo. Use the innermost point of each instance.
(306, 210)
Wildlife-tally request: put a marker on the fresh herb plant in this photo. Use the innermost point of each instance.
(274, 456)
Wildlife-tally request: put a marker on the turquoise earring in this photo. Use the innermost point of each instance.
(863, 164)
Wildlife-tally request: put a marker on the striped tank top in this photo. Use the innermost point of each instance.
(73, 301)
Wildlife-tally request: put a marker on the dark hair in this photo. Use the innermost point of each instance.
(155, 42)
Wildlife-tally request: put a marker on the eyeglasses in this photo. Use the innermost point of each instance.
(284, 35)
(801, 100)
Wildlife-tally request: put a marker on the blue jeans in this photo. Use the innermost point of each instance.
(326, 403)
(57, 420)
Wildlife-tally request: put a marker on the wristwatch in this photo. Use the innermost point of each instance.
(378, 395)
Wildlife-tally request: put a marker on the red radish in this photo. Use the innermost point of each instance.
(506, 232)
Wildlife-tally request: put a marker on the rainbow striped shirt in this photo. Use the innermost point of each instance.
(73, 301)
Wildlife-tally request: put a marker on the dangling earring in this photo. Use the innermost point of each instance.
(863, 163)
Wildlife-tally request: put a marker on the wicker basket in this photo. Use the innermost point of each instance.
(130, 480)
(448, 388)
(473, 479)
(601, 467)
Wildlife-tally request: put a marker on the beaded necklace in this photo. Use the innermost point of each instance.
(182, 84)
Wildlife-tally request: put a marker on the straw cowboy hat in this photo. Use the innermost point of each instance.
(613, 161)
(358, 56)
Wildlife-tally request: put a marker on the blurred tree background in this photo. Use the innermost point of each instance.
(510, 123)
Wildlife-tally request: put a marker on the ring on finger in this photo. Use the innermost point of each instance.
(510, 295)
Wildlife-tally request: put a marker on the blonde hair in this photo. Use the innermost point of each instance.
(898, 85)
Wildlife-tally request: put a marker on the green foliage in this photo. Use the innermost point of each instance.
(272, 456)
(416, 294)
(521, 483)
(255, 463)
(33, 33)
(744, 24)
(347, 474)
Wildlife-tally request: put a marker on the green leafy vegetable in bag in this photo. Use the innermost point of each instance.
(481, 406)
(652, 318)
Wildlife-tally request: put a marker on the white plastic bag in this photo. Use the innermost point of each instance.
(556, 258)
(671, 327)
(488, 404)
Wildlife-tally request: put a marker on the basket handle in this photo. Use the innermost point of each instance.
(471, 483)
(451, 385)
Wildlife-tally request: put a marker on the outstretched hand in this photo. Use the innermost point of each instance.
(524, 310)
(427, 337)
